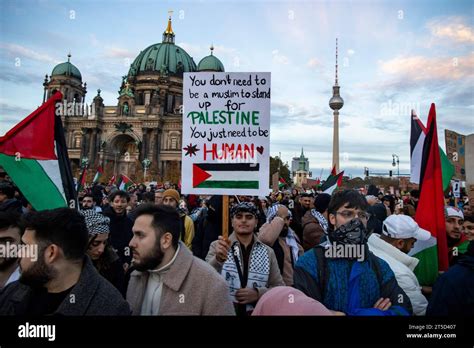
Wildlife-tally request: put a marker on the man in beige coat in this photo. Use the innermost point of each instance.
(249, 266)
(168, 279)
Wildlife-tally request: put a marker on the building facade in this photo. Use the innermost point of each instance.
(300, 169)
(144, 128)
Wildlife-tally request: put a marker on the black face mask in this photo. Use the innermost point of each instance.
(352, 232)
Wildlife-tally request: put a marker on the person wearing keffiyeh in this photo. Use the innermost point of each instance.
(277, 234)
(315, 223)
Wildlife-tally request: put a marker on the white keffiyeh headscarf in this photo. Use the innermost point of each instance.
(291, 240)
(321, 219)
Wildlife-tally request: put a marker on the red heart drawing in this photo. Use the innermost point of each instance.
(260, 149)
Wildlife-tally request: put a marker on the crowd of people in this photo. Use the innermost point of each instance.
(152, 251)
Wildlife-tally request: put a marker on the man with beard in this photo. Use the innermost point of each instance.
(399, 234)
(249, 267)
(167, 279)
(120, 226)
(62, 280)
(353, 284)
(300, 208)
(457, 240)
(10, 235)
(277, 234)
(315, 222)
(89, 203)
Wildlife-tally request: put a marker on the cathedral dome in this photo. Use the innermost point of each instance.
(67, 69)
(165, 58)
(210, 63)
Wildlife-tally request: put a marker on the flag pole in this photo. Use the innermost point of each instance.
(225, 216)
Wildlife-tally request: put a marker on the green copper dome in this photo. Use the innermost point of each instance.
(67, 69)
(165, 58)
(210, 63)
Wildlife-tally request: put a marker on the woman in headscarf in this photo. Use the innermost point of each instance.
(103, 256)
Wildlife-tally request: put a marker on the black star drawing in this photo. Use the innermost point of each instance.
(191, 150)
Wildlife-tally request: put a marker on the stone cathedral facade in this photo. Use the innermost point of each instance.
(145, 126)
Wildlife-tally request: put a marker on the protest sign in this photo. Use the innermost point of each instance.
(226, 133)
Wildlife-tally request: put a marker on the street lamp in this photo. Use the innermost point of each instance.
(398, 164)
(146, 163)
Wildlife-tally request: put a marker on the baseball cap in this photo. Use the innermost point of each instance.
(453, 211)
(403, 227)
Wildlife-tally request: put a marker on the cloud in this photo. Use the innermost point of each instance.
(313, 63)
(451, 28)
(94, 41)
(18, 51)
(117, 52)
(279, 58)
(295, 113)
(20, 76)
(11, 115)
(419, 68)
(8, 109)
(350, 52)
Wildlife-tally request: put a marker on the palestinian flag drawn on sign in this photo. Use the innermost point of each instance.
(417, 139)
(34, 154)
(99, 173)
(226, 175)
(433, 253)
(125, 183)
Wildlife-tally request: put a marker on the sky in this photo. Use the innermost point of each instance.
(394, 56)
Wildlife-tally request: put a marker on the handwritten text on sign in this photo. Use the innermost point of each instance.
(226, 132)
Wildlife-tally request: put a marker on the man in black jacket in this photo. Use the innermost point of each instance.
(57, 278)
(453, 292)
(120, 226)
(208, 227)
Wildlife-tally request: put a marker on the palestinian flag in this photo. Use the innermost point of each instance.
(82, 180)
(332, 182)
(226, 175)
(34, 154)
(112, 180)
(281, 183)
(433, 253)
(99, 173)
(417, 139)
(125, 183)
